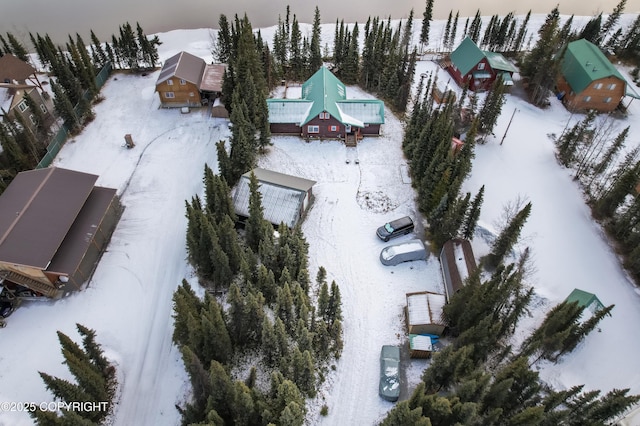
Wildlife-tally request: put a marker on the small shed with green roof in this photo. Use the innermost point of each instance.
(586, 300)
(479, 68)
(325, 112)
(589, 81)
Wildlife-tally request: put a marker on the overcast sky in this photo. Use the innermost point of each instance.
(61, 17)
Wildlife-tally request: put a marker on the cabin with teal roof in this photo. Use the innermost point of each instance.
(325, 112)
(589, 81)
(469, 65)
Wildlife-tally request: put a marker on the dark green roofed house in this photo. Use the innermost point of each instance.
(588, 80)
(478, 68)
(325, 112)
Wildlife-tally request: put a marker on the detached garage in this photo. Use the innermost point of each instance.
(54, 225)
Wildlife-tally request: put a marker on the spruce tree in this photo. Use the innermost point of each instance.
(255, 222)
(315, 57)
(472, 215)
(17, 49)
(507, 238)
(427, 16)
(64, 107)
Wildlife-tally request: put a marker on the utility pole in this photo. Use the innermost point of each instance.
(508, 125)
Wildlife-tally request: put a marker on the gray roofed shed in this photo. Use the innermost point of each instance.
(284, 197)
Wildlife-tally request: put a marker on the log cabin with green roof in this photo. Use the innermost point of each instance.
(588, 80)
(469, 65)
(324, 112)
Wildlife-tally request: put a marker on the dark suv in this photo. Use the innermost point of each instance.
(395, 228)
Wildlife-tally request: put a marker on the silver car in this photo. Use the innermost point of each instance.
(403, 252)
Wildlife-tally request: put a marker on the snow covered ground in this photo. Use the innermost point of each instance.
(128, 300)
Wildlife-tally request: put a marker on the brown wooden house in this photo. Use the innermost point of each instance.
(588, 80)
(18, 80)
(187, 81)
(54, 225)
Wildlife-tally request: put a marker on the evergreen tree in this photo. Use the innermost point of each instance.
(243, 154)
(592, 30)
(541, 64)
(492, 107)
(17, 49)
(402, 415)
(315, 57)
(427, 16)
(255, 222)
(507, 238)
(454, 29)
(472, 216)
(148, 48)
(100, 57)
(607, 204)
(612, 20)
(64, 108)
(95, 377)
(475, 27)
(446, 39)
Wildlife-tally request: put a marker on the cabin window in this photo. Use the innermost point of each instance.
(183, 82)
(324, 116)
(611, 86)
(481, 66)
(607, 99)
(333, 128)
(169, 95)
(22, 106)
(597, 86)
(587, 98)
(33, 119)
(313, 129)
(43, 108)
(191, 94)
(170, 82)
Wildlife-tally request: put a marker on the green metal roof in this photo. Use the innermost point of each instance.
(324, 89)
(584, 299)
(584, 63)
(499, 62)
(323, 92)
(466, 56)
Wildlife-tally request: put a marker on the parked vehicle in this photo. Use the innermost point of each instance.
(403, 252)
(390, 373)
(6, 308)
(395, 228)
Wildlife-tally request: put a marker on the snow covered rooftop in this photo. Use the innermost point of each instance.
(282, 196)
(288, 110)
(425, 308)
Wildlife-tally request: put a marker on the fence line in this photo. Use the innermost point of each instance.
(58, 141)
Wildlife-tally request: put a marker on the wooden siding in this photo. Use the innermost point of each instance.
(285, 129)
(324, 128)
(577, 101)
(186, 94)
(371, 130)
